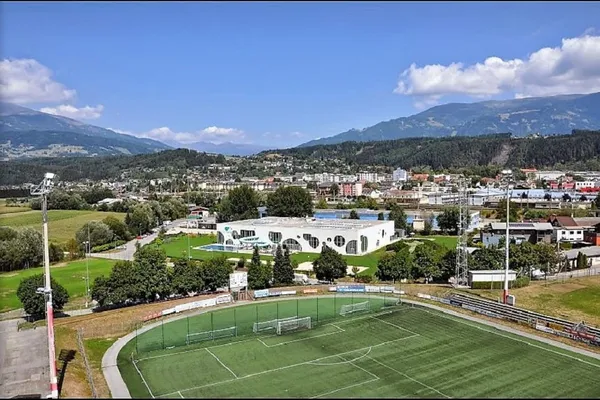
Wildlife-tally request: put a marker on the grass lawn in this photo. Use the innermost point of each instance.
(176, 247)
(401, 352)
(4, 209)
(575, 299)
(448, 241)
(71, 276)
(62, 224)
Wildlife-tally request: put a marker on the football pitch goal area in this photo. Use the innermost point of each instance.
(358, 347)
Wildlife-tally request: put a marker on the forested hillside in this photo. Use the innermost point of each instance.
(581, 149)
(71, 169)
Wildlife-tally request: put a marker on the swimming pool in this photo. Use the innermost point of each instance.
(218, 247)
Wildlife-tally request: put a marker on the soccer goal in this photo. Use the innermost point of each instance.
(210, 335)
(294, 325)
(268, 325)
(356, 307)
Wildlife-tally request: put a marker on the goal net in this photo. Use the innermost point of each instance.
(210, 335)
(356, 307)
(293, 325)
(268, 325)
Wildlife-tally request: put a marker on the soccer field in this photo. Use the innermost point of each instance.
(396, 351)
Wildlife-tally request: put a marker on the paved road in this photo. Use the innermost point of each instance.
(24, 363)
(127, 254)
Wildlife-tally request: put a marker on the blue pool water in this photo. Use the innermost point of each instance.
(218, 247)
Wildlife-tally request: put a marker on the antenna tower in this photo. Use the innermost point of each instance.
(462, 264)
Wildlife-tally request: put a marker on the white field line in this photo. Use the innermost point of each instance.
(517, 340)
(345, 387)
(408, 377)
(143, 380)
(221, 362)
(286, 367)
(359, 367)
(180, 395)
(340, 330)
(396, 326)
(342, 362)
(345, 321)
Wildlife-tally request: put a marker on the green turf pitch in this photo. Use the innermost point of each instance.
(396, 352)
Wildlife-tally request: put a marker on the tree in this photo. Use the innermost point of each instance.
(98, 233)
(186, 277)
(487, 258)
(75, 251)
(428, 226)
(55, 252)
(426, 262)
(241, 263)
(329, 265)
(119, 228)
(7, 233)
(259, 274)
(381, 216)
(523, 258)
(290, 201)
(240, 203)
(548, 257)
(395, 266)
(448, 220)
(283, 272)
(140, 219)
(582, 261)
(122, 285)
(501, 212)
(353, 215)
(33, 302)
(150, 264)
(398, 215)
(101, 291)
(215, 273)
(322, 204)
(335, 190)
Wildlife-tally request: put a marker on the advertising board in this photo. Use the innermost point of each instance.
(261, 293)
(238, 280)
(351, 288)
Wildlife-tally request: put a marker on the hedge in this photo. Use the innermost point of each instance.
(108, 246)
(518, 283)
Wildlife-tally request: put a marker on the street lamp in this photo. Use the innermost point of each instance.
(43, 189)
(507, 176)
(87, 271)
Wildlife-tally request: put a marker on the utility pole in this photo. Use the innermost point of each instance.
(87, 268)
(44, 189)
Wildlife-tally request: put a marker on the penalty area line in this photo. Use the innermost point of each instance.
(143, 379)
(221, 362)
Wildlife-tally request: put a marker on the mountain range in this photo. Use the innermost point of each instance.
(26, 133)
(542, 115)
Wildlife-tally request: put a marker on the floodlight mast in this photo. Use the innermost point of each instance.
(43, 189)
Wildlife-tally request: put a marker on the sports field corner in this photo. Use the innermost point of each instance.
(384, 349)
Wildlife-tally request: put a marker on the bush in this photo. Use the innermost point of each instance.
(364, 278)
(566, 246)
(108, 246)
(518, 283)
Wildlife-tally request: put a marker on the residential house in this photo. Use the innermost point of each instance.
(565, 229)
(518, 232)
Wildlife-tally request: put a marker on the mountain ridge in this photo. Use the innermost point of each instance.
(545, 115)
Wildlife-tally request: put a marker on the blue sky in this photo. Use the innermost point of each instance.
(285, 73)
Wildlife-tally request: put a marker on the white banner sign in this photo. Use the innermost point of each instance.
(238, 280)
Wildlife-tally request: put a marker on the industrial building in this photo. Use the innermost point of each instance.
(351, 237)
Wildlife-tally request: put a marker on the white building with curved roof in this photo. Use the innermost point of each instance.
(346, 236)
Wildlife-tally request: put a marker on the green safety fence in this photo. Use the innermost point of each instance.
(239, 321)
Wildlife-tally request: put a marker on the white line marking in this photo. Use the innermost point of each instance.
(358, 366)
(143, 380)
(180, 395)
(287, 366)
(221, 362)
(408, 377)
(342, 362)
(457, 319)
(306, 338)
(345, 321)
(395, 326)
(345, 387)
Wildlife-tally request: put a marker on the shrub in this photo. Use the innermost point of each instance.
(33, 302)
(108, 246)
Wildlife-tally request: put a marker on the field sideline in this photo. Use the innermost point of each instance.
(398, 352)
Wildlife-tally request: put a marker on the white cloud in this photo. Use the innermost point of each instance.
(70, 111)
(574, 67)
(212, 134)
(25, 81)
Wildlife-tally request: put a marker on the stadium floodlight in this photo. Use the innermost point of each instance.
(507, 175)
(43, 189)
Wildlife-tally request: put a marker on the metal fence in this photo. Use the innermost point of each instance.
(88, 370)
(240, 320)
(578, 273)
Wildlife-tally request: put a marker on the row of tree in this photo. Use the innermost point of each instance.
(434, 262)
(23, 248)
(147, 278)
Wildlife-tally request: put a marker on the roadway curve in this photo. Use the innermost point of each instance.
(118, 388)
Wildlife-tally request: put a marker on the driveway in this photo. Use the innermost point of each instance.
(127, 253)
